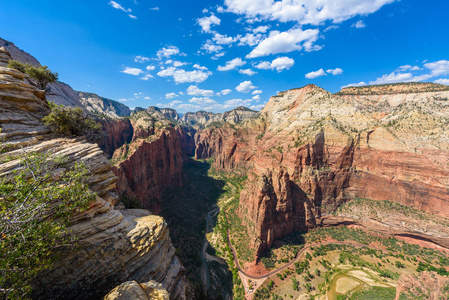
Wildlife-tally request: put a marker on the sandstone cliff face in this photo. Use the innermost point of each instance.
(118, 132)
(103, 106)
(309, 151)
(153, 161)
(203, 119)
(138, 291)
(114, 246)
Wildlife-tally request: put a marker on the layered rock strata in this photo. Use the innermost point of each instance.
(113, 246)
(308, 151)
(138, 291)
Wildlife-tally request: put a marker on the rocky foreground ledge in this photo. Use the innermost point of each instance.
(116, 246)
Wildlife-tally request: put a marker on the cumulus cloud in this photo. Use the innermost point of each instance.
(303, 11)
(247, 72)
(150, 68)
(260, 29)
(256, 98)
(171, 95)
(211, 47)
(182, 76)
(232, 64)
(221, 39)
(316, 74)
(146, 77)
(250, 39)
(132, 71)
(362, 83)
(256, 92)
(245, 87)
(226, 91)
(438, 68)
(409, 68)
(193, 90)
(336, 71)
(202, 100)
(359, 24)
(141, 59)
(207, 22)
(442, 81)
(330, 28)
(167, 52)
(287, 41)
(154, 8)
(197, 66)
(279, 64)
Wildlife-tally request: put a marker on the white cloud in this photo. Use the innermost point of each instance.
(126, 10)
(261, 29)
(141, 59)
(202, 100)
(280, 64)
(438, 68)
(226, 91)
(362, 83)
(359, 24)
(257, 107)
(147, 98)
(316, 74)
(409, 68)
(166, 52)
(150, 68)
(154, 8)
(256, 97)
(250, 39)
(146, 77)
(399, 77)
(118, 6)
(223, 39)
(171, 95)
(193, 90)
(132, 71)
(245, 87)
(330, 28)
(197, 66)
(236, 102)
(207, 22)
(442, 81)
(179, 63)
(255, 92)
(232, 64)
(304, 11)
(287, 41)
(210, 47)
(336, 71)
(218, 55)
(182, 76)
(247, 72)
(220, 9)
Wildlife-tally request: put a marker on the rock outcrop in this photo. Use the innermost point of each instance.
(426, 285)
(114, 245)
(308, 151)
(104, 107)
(138, 291)
(202, 119)
(153, 161)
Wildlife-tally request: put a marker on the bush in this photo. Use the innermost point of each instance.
(73, 121)
(36, 204)
(40, 76)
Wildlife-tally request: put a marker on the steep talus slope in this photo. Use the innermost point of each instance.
(308, 152)
(114, 245)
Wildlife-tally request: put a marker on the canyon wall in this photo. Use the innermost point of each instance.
(113, 246)
(308, 152)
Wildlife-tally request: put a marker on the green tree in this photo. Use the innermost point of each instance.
(73, 121)
(40, 76)
(36, 203)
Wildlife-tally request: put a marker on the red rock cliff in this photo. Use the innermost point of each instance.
(309, 151)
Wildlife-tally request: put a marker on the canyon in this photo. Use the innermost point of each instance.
(373, 157)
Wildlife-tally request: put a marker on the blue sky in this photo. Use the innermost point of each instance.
(216, 55)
